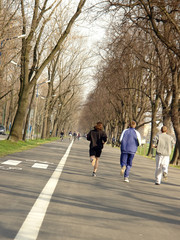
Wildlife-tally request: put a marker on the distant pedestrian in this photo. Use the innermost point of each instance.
(62, 135)
(70, 135)
(97, 138)
(130, 139)
(75, 136)
(113, 141)
(78, 136)
(163, 144)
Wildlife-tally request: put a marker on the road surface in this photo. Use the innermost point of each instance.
(48, 193)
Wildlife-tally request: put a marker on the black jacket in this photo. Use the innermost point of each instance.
(97, 138)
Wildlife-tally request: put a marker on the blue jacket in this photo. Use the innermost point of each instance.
(130, 139)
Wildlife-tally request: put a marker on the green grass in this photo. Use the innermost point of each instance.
(8, 147)
(143, 150)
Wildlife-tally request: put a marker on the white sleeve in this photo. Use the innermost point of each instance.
(138, 137)
(122, 134)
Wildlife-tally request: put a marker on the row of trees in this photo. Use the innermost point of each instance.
(138, 77)
(43, 88)
(139, 74)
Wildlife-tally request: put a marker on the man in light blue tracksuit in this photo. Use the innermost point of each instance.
(130, 140)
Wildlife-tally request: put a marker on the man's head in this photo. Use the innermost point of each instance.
(164, 129)
(99, 126)
(132, 124)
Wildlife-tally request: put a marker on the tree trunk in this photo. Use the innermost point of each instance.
(153, 124)
(27, 78)
(175, 107)
(17, 129)
(28, 114)
(48, 128)
(175, 159)
(175, 121)
(55, 127)
(44, 128)
(46, 112)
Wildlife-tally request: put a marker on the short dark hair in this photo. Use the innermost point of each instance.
(99, 126)
(164, 129)
(132, 124)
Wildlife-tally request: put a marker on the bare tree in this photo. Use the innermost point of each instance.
(30, 73)
(158, 18)
(10, 35)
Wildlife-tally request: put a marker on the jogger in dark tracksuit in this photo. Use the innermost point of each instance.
(130, 139)
(97, 138)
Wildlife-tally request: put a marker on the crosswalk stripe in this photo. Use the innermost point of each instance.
(40, 165)
(12, 162)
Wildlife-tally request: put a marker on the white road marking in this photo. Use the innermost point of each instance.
(40, 165)
(35, 160)
(31, 226)
(45, 162)
(11, 162)
(10, 168)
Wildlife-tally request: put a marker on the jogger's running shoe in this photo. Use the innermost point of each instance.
(122, 170)
(93, 174)
(165, 176)
(126, 179)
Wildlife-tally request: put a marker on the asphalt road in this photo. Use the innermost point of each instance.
(48, 193)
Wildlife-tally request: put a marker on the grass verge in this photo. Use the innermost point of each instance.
(143, 150)
(8, 147)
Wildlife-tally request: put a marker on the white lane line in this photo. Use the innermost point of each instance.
(11, 162)
(40, 165)
(31, 226)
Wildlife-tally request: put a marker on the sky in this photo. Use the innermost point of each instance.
(94, 32)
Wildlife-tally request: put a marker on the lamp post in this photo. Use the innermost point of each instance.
(6, 39)
(15, 63)
(2, 67)
(11, 38)
(35, 111)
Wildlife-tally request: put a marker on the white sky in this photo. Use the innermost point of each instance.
(94, 31)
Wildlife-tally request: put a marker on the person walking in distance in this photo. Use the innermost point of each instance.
(97, 138)
(70, 135)
(75, 136)
(62, 135)
(163, 144)
(130, 139)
